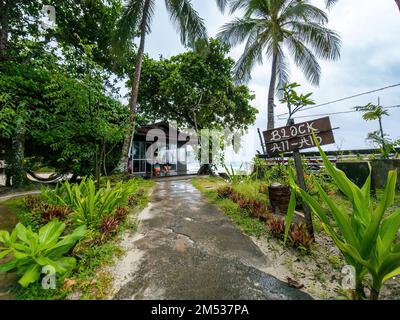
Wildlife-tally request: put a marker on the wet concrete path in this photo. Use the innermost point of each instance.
(188, 249)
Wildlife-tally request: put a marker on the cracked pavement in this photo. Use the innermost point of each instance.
(188, 249)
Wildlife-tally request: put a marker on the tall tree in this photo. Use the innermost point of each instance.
(196, 89)
(136, 21)
(270, 26)
(23, 42)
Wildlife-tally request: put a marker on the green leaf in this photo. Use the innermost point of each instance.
(5, 253)
(65, 264)
(341, 218)
(389, 268)
(389, 228)
(66, 243)
(21, 232)
(369, 239)
(49, 234)
(290, 212)
(390, 275)
(4, 236)
(8, 266)
(32, 274)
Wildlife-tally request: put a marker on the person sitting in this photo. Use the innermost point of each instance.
(167, 168)
(157, 166)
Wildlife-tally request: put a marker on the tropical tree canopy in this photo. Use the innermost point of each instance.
(270, 29)
(196, 90)
(140, 13)
(268, 26)
(58, 103)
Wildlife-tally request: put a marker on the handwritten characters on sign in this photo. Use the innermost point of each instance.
(298, 136)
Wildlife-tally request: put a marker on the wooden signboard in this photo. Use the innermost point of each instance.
(298, 136)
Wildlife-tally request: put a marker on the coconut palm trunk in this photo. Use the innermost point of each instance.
(271, 93)
(138, 15)
(123, 164)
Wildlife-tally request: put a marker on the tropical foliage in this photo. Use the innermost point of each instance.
(75, 247)
(196, 90)
(50, 84)
(366, 236)
(378, 138)
(30, 251)
(89, 205)
(268, 27)
(136, 20)
(68, 122)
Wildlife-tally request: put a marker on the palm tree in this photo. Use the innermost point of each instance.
(270, 26)
(136, 21)
(373, 112)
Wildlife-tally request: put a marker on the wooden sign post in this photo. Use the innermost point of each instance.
(295, 137)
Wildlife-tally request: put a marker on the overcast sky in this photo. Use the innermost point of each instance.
(370, 32)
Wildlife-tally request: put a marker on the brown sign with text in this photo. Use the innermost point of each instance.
(298, 136)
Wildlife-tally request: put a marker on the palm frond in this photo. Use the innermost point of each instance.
(325, 42)
(187, 20)
(222, 4)
(235, 5)
(129, 23)
(330, 3)
(253, 54)
(305, 60)
(282, 71)
(302, 11)
(238, 30)
(297, 24)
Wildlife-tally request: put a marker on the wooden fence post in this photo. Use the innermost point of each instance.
(302, 184)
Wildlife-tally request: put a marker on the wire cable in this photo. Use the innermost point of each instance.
(346, 98)
(333, 113)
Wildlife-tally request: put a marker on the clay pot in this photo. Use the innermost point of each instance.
(279, 197)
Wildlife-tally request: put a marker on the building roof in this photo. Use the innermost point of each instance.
(165, 127)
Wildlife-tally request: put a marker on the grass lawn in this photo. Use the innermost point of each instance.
(248, 225)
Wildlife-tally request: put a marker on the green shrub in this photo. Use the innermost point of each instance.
(30, 251)
(90, 206)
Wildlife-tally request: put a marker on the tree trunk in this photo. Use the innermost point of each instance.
(123, 163)
(4, 30)
(17, 170)
(271, 93)
(206, 168)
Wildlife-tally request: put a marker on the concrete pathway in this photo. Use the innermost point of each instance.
(13, 195)
(188, 249)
